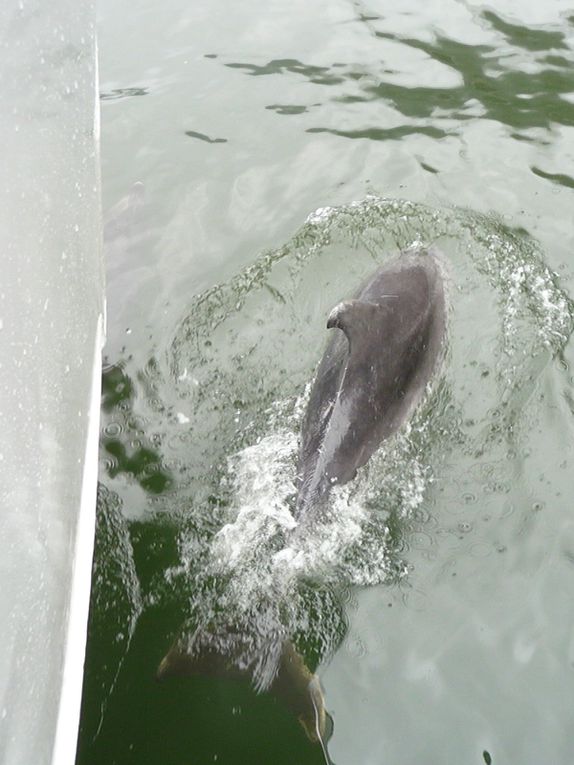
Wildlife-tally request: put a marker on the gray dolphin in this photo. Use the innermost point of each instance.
(373, 374)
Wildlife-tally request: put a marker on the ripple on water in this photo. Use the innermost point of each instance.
(257, 340)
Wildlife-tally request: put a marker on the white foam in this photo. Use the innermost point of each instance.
(320, 215)
(262, 484)
(267, 550)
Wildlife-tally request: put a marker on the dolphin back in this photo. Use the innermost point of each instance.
(373, 373)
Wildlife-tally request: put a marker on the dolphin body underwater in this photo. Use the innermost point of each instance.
(372, 375)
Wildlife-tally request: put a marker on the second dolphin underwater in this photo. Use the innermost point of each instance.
(373, 373)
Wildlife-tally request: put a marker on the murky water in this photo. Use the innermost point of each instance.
(285, 151)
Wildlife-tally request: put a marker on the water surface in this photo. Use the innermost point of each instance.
(285, 150)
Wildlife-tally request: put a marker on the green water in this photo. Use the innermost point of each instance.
(285, 150)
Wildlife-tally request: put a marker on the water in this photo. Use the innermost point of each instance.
(284, 152)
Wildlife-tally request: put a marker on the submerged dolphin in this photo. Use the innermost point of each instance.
(294, 683)
(373, 373)
(370, 379)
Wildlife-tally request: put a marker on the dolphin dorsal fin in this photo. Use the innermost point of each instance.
(355, 318)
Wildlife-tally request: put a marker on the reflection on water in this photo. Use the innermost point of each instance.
(526, 37)
(561, 178)
(319, 75)
(124, 439)
(203, 137)
(118, 93)
(499, 83)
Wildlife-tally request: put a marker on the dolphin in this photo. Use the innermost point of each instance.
(373, 373)
(294, 683)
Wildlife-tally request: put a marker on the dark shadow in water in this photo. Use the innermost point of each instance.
(126, 445)
(287, 108)
(382, 134)
(515, 98)
(428, 168)
(561, 178)
(204, 137)
(117, 388)
(525, 37)
(117, 93)
(320, 75)
(528, 139)
(554, 60)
